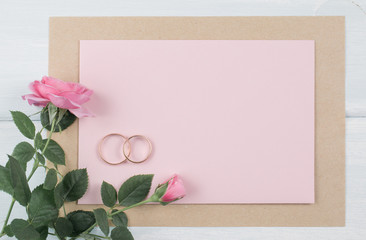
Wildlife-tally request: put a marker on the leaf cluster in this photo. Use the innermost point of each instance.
(46, 203)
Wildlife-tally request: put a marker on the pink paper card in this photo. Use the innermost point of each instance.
(233, 118)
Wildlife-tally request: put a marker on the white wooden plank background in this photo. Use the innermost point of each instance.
(23, 58)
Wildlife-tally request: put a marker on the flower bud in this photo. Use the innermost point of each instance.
(170, 191)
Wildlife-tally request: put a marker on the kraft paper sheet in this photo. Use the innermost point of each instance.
(329, 36)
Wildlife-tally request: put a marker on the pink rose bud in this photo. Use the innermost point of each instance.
(65, 95)
(170, 191)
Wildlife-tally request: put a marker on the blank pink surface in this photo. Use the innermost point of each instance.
(233, 118)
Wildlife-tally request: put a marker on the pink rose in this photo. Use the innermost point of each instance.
(174, 190)
(66, 95)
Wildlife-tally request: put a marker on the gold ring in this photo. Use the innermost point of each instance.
(128, 155)
(101, 144)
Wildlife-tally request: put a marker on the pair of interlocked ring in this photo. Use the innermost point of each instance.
(126, 148)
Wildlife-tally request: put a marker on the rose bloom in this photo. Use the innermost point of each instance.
(175, 190)
(66, 95)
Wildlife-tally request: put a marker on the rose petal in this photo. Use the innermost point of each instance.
(81, 112)
(33, 89)
(56, 83)
(66, 86)
(62, 102)
(35, 100)
(75, 97)
(42, 90)
(88, 92)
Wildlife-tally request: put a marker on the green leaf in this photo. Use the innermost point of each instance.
(42, 209)
(81, 221)
(109, 194)
(86, 236)
(8, 231)
(19, 182)
(63, 227)
(40, 158)
(43, 232)
(52, 112)
(120, 219)
(51, 179)
(24, 124)
(102, 220)
(23, 152)
(161, 190)
(5, 182)
(72, 187)
(135, 189)
(54, 152)
(22, 165)
(23, 230)
(67, 119)
(38, 141)
(59, 193)
(61, 114)
(121, 233)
